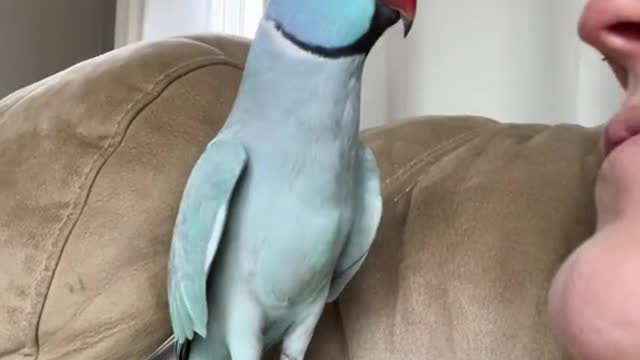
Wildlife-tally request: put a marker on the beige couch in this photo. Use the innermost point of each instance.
(478, 216)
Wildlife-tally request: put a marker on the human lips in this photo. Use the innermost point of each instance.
(626, 123)
(622, 127)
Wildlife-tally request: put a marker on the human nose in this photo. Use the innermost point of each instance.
(613, 28)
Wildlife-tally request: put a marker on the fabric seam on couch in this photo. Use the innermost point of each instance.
(210, 46)
(24, 93)
(84, 186)
(421, 160)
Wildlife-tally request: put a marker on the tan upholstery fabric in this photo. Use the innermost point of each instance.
(478, 216)
(92, 162)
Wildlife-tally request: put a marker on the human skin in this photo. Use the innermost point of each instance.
(594, 300)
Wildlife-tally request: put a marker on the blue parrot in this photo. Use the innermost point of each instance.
(281, 208)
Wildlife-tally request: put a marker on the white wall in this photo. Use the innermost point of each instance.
(39, 38)
(161, 15)
(378, 96)
(166, 18)
(515, 61)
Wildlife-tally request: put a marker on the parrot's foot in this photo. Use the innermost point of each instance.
(286, 356)
(296, 342)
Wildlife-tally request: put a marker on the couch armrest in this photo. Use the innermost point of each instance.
(94, 160)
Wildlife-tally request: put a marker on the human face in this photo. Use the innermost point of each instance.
(594, 299)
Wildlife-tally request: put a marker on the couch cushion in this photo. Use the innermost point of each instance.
(93, 162)
(478, 216)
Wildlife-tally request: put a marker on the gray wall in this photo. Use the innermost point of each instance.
(41, 37)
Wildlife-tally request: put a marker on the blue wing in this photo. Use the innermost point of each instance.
(198, 229)
(367, 214)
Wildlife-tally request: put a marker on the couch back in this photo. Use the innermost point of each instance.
(93, 161)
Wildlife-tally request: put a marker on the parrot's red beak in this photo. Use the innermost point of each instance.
(407, 9)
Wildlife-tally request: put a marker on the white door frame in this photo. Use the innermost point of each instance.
(129, 22)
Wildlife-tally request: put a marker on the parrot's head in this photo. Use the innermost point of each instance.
(339, 27)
